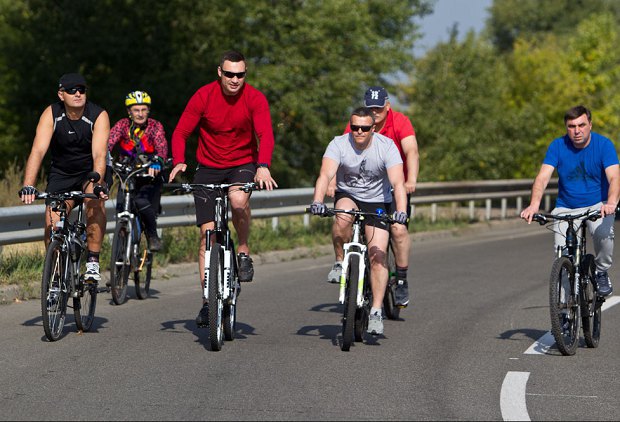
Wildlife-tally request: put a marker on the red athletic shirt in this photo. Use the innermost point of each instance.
(397, 127)
(230, 128)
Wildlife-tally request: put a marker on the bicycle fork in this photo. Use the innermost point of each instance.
(345, 272)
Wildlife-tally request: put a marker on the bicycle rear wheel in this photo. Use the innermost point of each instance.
(119, 268)
(350, 302)
(144, 267)
(564, 310)
(84, 305)
(54, 291)
(590, 305)
(389, 304)
(216, 303)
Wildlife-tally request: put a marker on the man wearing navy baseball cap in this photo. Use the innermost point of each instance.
(398, 127)
(75, 131)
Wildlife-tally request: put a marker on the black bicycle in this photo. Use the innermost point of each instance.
(573, 294)
(64, 267)
(221, 280)
(130, 251)
(355, 288)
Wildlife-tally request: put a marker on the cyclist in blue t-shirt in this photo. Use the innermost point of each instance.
(588, 177)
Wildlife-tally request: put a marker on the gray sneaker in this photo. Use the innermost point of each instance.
(603, 284)
(334, 273)
(375, 324)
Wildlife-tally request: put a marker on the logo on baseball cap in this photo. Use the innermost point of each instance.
(376, 96)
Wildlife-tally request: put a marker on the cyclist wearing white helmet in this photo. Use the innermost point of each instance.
(139, 137)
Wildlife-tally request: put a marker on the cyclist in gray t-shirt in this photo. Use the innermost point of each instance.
(366, 165)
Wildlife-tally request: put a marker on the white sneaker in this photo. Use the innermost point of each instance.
(92, 272)
(375, 324)
(334, 274)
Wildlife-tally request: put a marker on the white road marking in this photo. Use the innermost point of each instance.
(546, 342)
(512, 398)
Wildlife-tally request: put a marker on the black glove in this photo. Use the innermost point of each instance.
(99, 189)
(318, 208)
(400, 217)
(28, 190)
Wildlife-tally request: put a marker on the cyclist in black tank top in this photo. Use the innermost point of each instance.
(75, 132)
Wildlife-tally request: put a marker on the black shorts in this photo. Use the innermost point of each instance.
(368, 207)
(205, 200)
(61, 183)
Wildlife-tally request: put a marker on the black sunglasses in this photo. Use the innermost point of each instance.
(355, 128)
(231, 75)
(72, 91)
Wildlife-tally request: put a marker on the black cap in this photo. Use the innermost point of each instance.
(376, 96)
(71, 80)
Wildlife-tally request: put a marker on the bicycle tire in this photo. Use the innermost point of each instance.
(84, 305)
(350, 303)
(230, 309)
(54, 291)
(144, 266)
(362, 314)
(563, 310)
(389, 303)
(590, 305)
(119, 268)
(216, 302)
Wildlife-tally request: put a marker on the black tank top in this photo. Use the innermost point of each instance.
(71, 144)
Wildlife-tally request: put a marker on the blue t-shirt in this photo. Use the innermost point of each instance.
(581, 172)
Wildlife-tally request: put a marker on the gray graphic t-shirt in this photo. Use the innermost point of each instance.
(363, 173)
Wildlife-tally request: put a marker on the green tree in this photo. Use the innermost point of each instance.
(313, 59)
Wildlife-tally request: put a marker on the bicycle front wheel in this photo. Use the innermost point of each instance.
(590, 305)
(54, 291)
(84, 305)
(216, 302)
(119, 266)
(350, 302)
(144, 267)
(389, 304)
(563, 306)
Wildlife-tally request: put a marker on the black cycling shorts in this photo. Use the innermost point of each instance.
(61, 183)
(367, 207)
(205, 200)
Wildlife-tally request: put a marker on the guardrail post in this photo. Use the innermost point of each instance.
(433, 212)
(274, 223)
(472, 210)
(504, 208)
(547, 203)
(306, 220)
(519, 205)
(488, 209)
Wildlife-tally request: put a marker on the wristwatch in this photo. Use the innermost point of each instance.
(265, 165)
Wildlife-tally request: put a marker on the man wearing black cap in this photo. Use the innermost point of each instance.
(75, 131)
(398, 127)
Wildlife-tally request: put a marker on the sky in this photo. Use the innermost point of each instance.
(468, 14)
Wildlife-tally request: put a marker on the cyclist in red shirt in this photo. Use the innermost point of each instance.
(398, 127)
(235, 144)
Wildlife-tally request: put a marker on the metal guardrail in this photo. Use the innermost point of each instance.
(24, 223)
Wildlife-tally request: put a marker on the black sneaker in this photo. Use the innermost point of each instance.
(246, 268)
(154, 243)
(603, 284)
(202, 320)
(401, 293)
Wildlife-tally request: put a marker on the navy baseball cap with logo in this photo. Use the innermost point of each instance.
(71, 80)
(376, 96)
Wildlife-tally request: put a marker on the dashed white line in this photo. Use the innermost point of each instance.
(512, 397)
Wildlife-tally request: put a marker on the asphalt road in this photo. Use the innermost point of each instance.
(479, 302)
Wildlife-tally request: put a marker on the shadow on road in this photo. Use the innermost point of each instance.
(527, 332)
(68, 327)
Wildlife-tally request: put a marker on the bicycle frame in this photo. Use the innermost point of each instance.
(357, 246)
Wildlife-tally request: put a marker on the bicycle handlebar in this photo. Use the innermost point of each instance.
(190, 187)
(544, 218)
(65, 196)
(329, 212)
